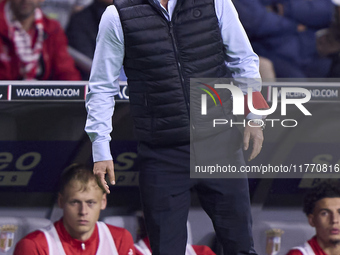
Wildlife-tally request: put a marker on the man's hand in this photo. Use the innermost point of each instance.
(255, 135)
(100, 169)
(301, 28)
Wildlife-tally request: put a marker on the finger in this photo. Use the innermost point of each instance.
(102, 182)
(256, 151)
(257, 145)
(246, 138)
(99, 170)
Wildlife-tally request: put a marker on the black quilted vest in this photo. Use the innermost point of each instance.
(160, 59)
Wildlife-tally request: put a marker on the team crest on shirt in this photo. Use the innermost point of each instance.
(273, 242)
(7, 236)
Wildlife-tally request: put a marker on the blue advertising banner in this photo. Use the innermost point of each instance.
(34, 166)
(125, 158)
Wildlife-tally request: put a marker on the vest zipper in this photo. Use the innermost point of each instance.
(180, 71)
(179, 66)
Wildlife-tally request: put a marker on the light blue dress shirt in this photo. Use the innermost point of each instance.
(108, 61)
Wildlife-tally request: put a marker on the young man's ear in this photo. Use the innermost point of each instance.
(311, 220)
(103, 202)
(60, 200)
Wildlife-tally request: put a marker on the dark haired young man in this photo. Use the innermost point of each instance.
(322, 207)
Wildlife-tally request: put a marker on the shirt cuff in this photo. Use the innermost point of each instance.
(101, 151)
(252, 116)
(258, 102)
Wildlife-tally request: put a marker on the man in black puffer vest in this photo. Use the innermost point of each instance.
(162, 45)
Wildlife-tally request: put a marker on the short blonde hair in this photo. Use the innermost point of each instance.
(77, 172)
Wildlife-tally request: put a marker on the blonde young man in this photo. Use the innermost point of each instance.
(78, 231)
(322, 207)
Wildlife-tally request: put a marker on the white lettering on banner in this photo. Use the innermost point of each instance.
(15, 178)
(25, 162)
(127, 178)
(122, 94)
(125, 161)
(5, 159)
(41, 92)
(35, 156)
(324, 92)
(315, 93)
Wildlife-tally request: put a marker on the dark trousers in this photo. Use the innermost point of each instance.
(165, 191)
